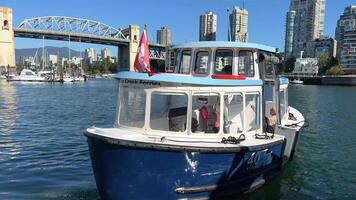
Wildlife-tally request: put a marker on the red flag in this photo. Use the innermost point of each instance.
(142, 61)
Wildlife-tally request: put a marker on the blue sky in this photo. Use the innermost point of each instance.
(266, 17)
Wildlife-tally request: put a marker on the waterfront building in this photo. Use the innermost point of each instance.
(90, 55)
(207, 30)
(305, 24)
(53, 59)
(64, 62)
(76, 60)
(346, 37)
(164, 36)
(238, 21)
(105, 53)
(112, 59)
(27, 61)
(306, 66)
(323, 46)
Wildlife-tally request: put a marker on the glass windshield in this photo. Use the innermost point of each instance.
(132, 104)
(205, 113)
(233, 113)
(223, 61)
(169, 111)
(282, 102)
(246, 64)
(252, 112)
(184, 66)
(201, 62)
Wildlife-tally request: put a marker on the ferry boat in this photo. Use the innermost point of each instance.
(204, 131)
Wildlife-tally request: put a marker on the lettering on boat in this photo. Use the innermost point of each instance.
(141, 82)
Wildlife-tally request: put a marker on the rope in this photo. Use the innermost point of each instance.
(306, 124)
(233, 140)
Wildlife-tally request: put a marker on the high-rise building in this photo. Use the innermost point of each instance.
(53, 59)
(322, 46)
(164, 36)
(90, 55)
(346, 38)
(207, 30)
(238, 21)
(288, 48)
(307, 24)
(105, 53)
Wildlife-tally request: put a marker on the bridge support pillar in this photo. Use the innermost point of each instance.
(127, 54)
(7, 43)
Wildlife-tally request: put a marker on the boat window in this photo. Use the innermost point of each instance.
(205, 113)
(201, 62)
(233, 113)
(223, 61)
(29, 73)
(184, 66)
(132, 103)
(246, 64)
(169, 111)
(283, 102)
(252, 111)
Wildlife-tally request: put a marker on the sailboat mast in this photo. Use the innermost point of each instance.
(43, 53)
(69, 59)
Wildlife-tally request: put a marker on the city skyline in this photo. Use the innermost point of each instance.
(271, 20)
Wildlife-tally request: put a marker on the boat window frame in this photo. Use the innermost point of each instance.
(147, 127)
(190, 110)
(196, 51)
(118, 110)
(260, 113)
(284, 90)
(233, 59)
(176, 58)
(179, 63)
(243, 131)
(253, 61)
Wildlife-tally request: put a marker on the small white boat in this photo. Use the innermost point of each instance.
(28, 75)
(296, 81)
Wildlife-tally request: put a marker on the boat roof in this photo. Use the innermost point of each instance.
(178, 78)
(225, 44)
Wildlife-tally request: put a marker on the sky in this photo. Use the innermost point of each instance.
(266, 17)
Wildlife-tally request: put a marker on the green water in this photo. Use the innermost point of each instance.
(44, 155)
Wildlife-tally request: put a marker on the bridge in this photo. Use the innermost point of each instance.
(77, 30)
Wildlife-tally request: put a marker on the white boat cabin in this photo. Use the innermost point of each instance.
(192, 102)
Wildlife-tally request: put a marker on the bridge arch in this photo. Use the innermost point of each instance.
(71, 25)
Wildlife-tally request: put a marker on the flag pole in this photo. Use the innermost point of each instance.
(149, 66)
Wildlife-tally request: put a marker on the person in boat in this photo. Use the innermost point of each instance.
(272, 120)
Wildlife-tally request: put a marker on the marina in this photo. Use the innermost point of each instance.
(109, 101)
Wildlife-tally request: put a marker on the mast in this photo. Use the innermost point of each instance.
(43, 53)
(69, 60)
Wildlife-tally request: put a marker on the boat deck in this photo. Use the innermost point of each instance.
(129, 137)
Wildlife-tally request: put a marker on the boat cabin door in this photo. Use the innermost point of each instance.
(267, 64)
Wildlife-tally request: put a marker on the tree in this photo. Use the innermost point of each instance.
(335, 70)
(323, 64)
(289, 64)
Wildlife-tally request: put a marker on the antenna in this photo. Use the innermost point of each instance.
(243, 4)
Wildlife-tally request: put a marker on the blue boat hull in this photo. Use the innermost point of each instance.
(132, 172)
